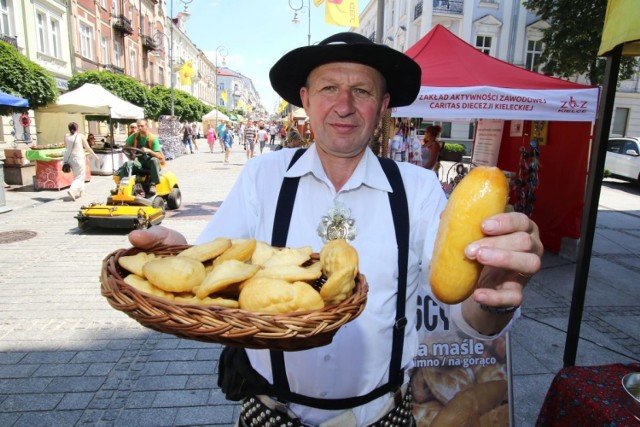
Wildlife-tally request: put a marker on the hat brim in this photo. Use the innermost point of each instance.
(402, 74)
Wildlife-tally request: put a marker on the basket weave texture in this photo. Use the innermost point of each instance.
(215, 324)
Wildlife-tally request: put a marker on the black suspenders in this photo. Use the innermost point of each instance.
(400, 212)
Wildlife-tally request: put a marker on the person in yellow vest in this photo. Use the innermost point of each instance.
(150, 160)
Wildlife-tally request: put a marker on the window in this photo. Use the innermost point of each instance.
(104, 50)
(620, 118)
(534, 50)
(103, 4)
(472, 130)
(615, 145)
(133, 63)
(5, 21)
(86, 41)
(117, 53)
(630, 147)
(446, 130)
(115, 7)
(161, 75)
(483, 44)
(41, 22)
(54, 26)
(48, 33)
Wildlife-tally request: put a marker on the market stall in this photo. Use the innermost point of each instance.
(49, 174)
(300, 120)
(214, 117)
(110, 160)
(8, 103)
(462, 83)
(89, 99)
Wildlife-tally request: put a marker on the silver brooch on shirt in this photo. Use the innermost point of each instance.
(337, 224)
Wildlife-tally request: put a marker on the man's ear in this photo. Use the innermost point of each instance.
(383, 107)
(304, 96)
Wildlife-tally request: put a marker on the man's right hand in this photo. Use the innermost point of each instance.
(156, 236)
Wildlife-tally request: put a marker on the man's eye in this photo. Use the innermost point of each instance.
(361, 92)
(328, 89)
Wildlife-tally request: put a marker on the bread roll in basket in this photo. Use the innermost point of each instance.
(295, 331)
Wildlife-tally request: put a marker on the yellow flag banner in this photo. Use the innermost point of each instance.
(186, 72)
(317, 3)
(224, 97)
(621, 27)
(342, 12)
(282, 106)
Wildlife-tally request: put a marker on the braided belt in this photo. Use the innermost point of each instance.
(254, 413)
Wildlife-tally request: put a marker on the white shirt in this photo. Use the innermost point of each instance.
(357, 361)
(74, 146)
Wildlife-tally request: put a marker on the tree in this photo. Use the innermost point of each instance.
(572, 41)
(155, 101)
(24, 78)
(185, 106)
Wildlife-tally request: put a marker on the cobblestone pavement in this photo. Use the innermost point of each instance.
(67, 358)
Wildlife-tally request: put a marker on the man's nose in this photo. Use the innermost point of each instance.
(344, 102)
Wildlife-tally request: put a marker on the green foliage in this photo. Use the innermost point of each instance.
(453, 148)
(24, 78)
(185, 106)
(573, 40)
(155, 101)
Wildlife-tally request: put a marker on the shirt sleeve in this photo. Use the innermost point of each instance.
(455, 313)
(155, 144)
(238, 215)
(129, 140)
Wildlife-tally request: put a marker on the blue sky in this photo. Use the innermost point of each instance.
(256, 33)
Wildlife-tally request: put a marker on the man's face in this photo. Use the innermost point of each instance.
(142, 129)
(344, 102)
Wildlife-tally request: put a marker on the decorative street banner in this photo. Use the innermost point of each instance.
(486, 145)
(472, 102)
(458, 380)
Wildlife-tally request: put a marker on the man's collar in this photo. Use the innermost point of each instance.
(368, 171)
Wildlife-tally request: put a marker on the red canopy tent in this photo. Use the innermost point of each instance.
(461, 83)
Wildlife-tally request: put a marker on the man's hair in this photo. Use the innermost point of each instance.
(141, 122)
(73, 127)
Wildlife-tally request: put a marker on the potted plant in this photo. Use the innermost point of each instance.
(452, 152)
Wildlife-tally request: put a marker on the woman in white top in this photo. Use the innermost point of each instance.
(74, 155)
(263, 135)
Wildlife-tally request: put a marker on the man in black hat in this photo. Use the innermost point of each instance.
(388, 212)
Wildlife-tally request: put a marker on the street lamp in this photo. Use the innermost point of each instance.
(173, 74)
(223, 52)
(296, 20)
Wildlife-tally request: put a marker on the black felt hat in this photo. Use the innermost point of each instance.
(402, 73)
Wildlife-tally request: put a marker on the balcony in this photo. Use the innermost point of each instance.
(114, 69)
(451, 7)
(13, 41)
(122, 24)
(149, 43)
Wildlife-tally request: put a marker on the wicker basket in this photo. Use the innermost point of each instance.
(235, 327)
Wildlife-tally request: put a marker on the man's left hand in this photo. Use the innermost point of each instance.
(511, 253)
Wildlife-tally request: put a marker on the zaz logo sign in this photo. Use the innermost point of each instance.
(573, 105)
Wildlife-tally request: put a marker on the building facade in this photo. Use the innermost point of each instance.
(504, 29)
(38, 29)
